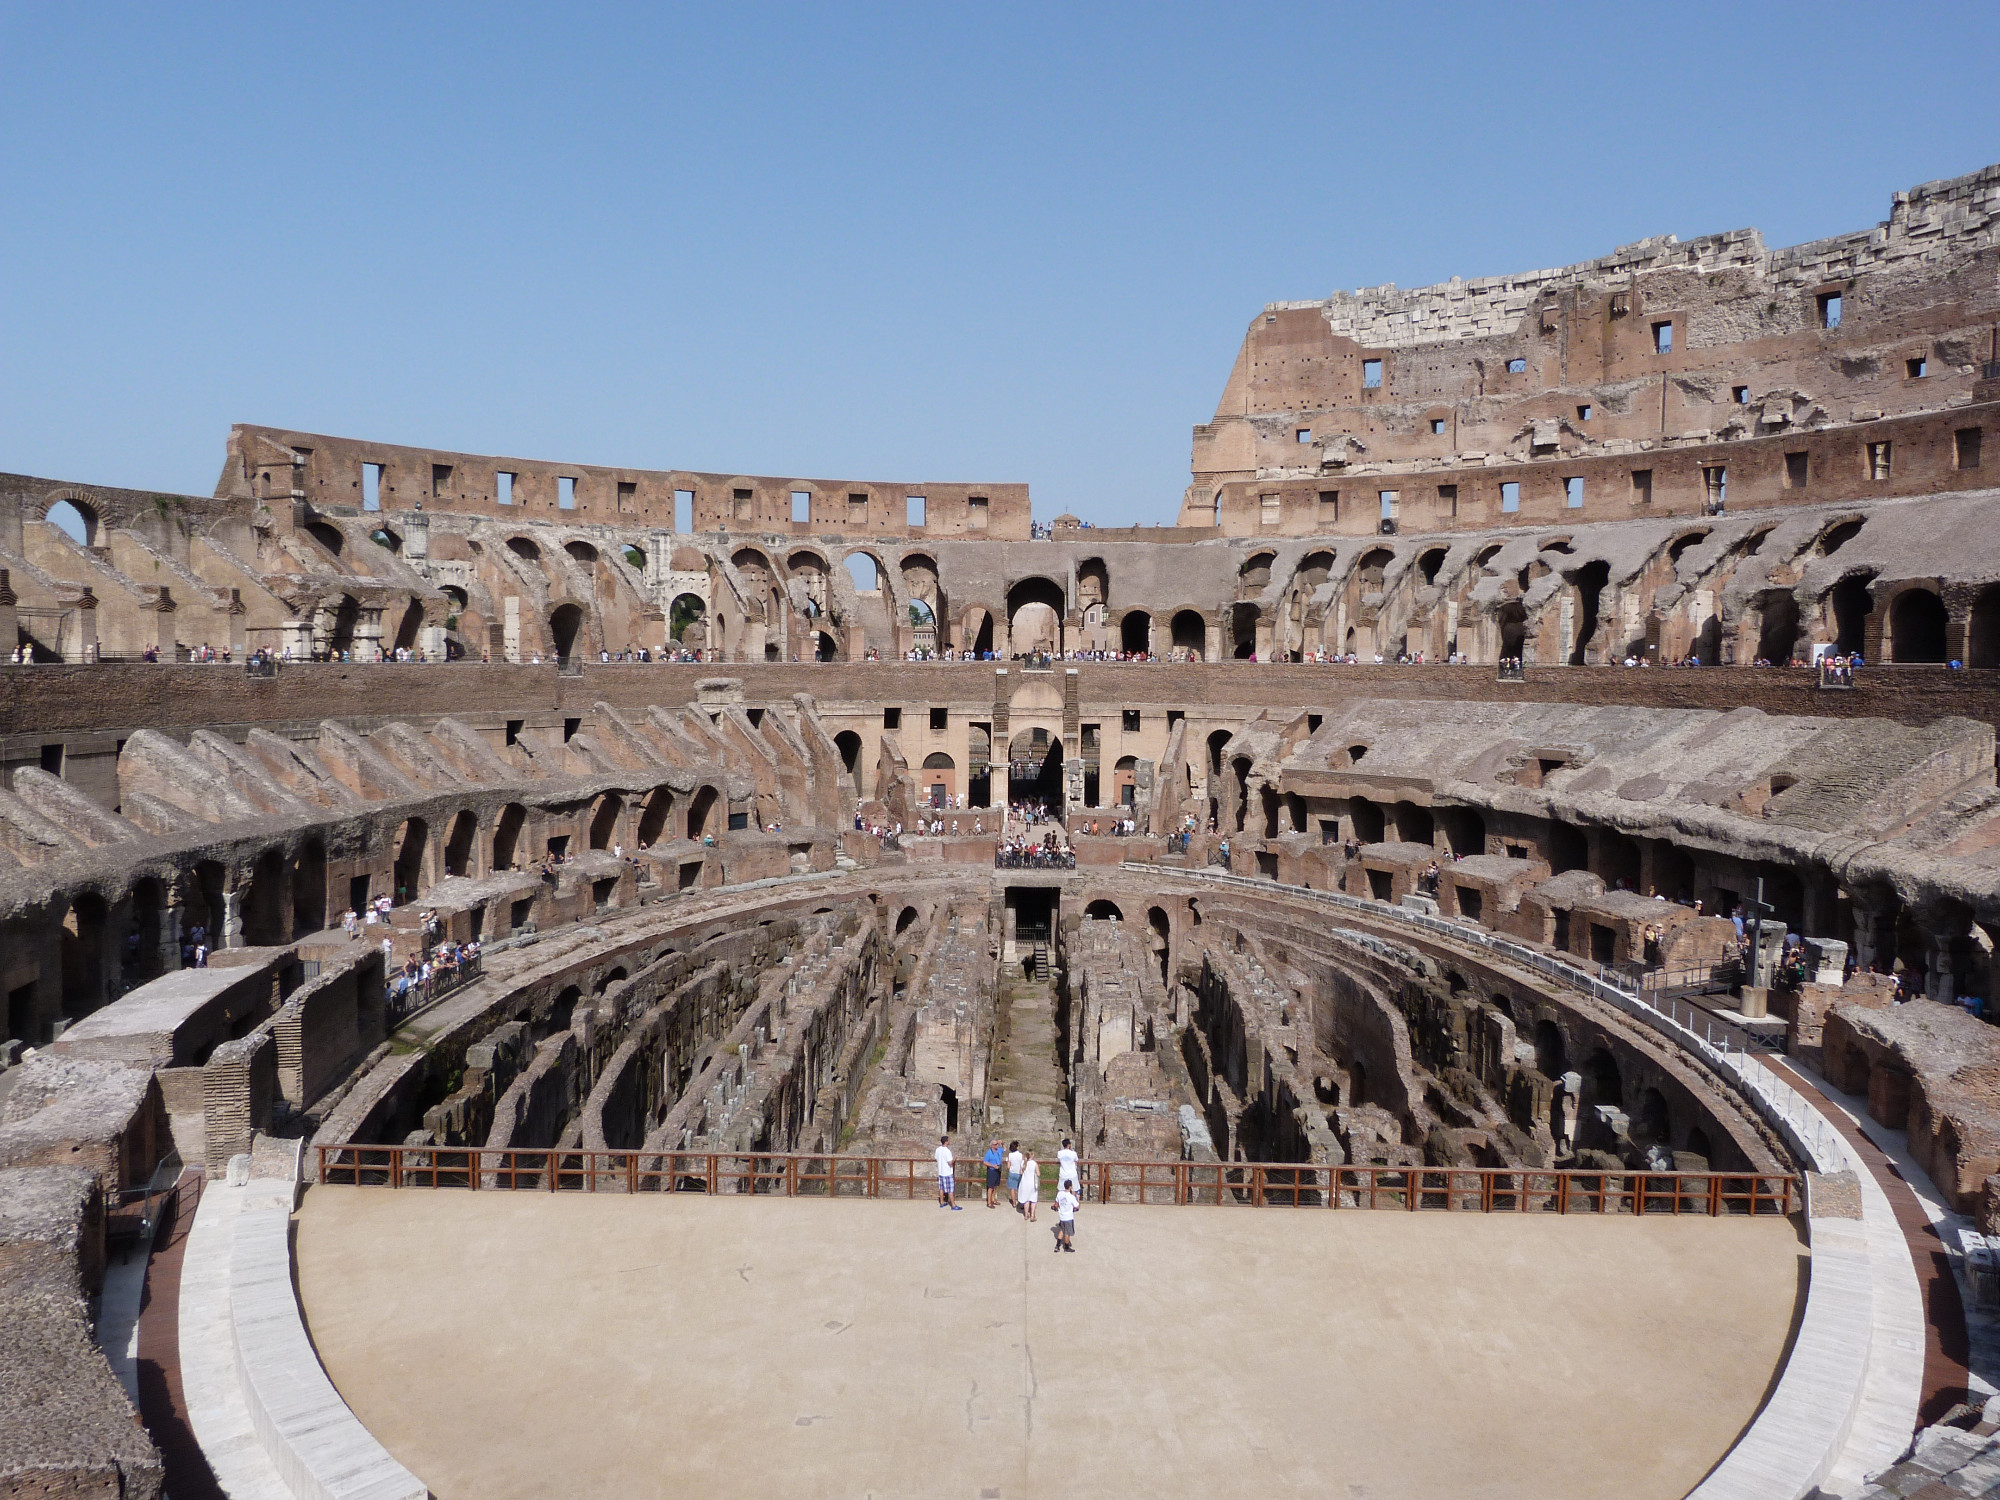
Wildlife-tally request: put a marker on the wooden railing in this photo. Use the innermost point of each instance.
(1251, 1184)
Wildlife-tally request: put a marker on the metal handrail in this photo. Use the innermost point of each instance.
(1180, 1183)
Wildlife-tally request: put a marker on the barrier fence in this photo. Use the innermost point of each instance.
(1250, 1184)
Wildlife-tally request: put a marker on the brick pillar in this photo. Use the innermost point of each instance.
(10, 618)
(997, 762)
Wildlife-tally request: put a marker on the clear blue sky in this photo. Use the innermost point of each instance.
(913, 243)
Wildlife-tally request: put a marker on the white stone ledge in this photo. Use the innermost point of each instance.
(318, 1446)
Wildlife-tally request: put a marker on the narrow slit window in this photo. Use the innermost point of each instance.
(566, 493)
(1715, 482)
(684, 510)
(371, 486)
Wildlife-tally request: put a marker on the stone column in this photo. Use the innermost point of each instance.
(1874, 929)
(997, 763)
(232, 919)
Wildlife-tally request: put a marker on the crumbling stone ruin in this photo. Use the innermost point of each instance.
(549, 809)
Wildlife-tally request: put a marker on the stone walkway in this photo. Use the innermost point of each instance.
(1030, 1093)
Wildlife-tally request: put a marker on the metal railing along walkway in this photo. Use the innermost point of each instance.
(1250, 1184)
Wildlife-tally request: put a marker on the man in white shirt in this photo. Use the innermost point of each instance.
(1066, 1171)
(945, 1180)
(1066, 1201)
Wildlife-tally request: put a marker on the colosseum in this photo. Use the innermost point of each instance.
(498, 953)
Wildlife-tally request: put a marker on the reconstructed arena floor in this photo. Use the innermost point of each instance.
(522, 1344)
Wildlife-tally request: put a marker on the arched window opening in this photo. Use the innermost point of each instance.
(77, 522)
(1917, 627)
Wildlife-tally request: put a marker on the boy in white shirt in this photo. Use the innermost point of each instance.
(1066, 1166)
(1066, 1201)
(945, 1180)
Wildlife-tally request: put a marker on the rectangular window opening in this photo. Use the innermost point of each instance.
(1573, 492)
(857, 510)
(503, 487)
(1389, 499)
(1740, 394)
(1715, 484)
(913, 510)
(743, 504)
(1174, 716)
(440, 481)
(1663, 338)
(371, 486)
(52, 759)
(1329, 507)
(570, 727)
(1797, 469)
(1129, 719)
(1642, 486)
(1437, 426)
(1510, 497)
(1448, 500)
(802, 507)
(1371, 374)
(1304, 435)
(892, 718)
(976, 512)
(514, 730)
(1517, 366)
(1917, 368)
(566, 493)
(940, 718)
(1583, 413)
(684, 510)
(1829, 309)
(1965, 447)
(628, 496)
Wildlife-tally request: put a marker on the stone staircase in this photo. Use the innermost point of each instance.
(1029, 1095)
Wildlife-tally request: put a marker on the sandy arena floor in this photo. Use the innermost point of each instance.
(521, 1344)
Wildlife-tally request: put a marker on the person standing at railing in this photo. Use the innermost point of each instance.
(1066, 1169)
(994, 1160)
(946, 1182)
(1015, 1161)
(1031, 1186)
